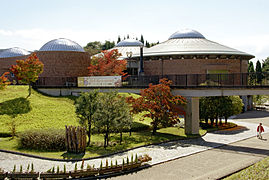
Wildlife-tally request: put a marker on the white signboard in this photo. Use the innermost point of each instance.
(99, 81)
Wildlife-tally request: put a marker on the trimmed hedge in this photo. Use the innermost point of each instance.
(44, 140)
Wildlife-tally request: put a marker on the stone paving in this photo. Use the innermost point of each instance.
(159, 153)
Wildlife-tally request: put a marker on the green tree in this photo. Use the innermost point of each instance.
(265, 65)
(142, 39)
(251, 73)
(108, 45)
(86, 106)
(119, 40)
(93, 47)
(124, 119)
(218, 107)
(111, 110)
(259, 72)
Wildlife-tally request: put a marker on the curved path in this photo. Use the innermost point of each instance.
(168, 151)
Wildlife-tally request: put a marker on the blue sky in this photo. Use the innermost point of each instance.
(241, 24)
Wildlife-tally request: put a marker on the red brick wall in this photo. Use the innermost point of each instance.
(64, 64)
(6, 63)
(193, 66)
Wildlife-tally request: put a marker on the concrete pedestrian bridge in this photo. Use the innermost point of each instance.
(191, 86)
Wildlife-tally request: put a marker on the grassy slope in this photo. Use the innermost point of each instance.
(260, 170)
(56, 112)
(46, 112)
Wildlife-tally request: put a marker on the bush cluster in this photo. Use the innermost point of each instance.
(44, 140)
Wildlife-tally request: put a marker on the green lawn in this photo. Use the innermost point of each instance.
(259, 170)
(136, 139)
(44, 112)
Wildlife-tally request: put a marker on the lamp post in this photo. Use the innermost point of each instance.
(129, 55)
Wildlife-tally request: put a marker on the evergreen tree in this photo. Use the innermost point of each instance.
(119, 40)
(86, 106)
(112, 115)
(108, 45)
(265, 65)
(251, 73)
(147, 44)
(128, 36)
(142, 39)
(259, 72)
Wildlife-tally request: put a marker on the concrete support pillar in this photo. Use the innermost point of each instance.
(192, 116)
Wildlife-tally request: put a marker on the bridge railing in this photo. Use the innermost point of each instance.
(181, 80)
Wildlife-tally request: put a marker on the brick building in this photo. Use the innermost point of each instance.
(189, 52)
(8, 57)
(63, 60)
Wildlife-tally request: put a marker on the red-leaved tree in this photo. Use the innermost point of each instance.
(107, 64)
(28, 70)
(4, 81)
(159, 103)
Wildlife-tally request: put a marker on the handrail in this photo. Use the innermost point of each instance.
(247, 80)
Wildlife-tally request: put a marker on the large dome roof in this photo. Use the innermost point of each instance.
(14, 52)
(61, 44)
(191, 42)
(129, 42)
(186, 33)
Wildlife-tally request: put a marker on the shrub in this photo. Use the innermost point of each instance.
(44, 140)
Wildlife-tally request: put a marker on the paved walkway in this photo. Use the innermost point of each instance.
(191, 165)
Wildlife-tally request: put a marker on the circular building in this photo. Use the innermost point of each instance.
(63, 60)
(189, 52)
(8, 58)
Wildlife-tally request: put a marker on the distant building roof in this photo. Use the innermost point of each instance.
(129, 42)
(190, 42)
(13, 52)
(127, 47)
(61, 44)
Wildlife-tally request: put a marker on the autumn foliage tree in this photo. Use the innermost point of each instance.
(159, 103)
(4, 81)
(107, 64)
(28, 70)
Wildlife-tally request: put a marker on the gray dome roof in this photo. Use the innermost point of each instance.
(186, 33)
(14, 52)
(61, 44)
(129, 42)
(190, 42)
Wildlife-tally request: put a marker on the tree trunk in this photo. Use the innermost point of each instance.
(226, 118)
(220, 121)
(206, 121)
(154, 128)
(212, 121)
(130, 132)
(104, 141)
(29, 90)
(90, 131)
(216, 121)
(120, 137)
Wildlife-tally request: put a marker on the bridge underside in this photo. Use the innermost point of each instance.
(192, 95)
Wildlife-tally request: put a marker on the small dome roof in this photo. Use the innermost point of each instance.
(186, 33)
(129, 42)
(61, 44)
(14, 52)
